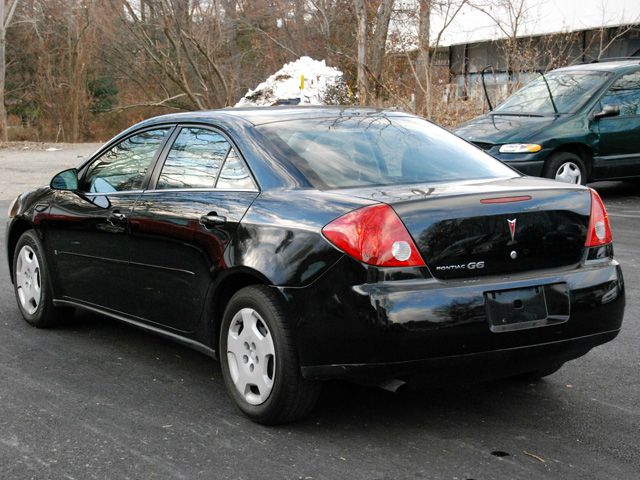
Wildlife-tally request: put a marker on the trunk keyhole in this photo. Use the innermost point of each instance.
(517, 304)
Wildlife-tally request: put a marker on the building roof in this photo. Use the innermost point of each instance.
(490, 20)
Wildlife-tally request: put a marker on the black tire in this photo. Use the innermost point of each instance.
(291, 397)
(558, 159)
(46, 314)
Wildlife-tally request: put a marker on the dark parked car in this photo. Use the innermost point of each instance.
(574, 124)
(301, 244)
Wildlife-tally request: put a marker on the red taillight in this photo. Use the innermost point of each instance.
(374, 235)
(599, 232)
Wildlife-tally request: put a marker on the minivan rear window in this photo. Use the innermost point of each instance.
(354, 151)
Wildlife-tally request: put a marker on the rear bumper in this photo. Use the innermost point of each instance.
(350, 328)
(472, 367)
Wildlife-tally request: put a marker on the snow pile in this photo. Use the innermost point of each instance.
(321, 84)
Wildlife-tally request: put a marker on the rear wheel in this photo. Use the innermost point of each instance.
(259, 360)
(31, 284)
(566, 167)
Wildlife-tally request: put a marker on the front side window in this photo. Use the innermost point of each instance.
(124, 166)
(194, 159)
(625, 94)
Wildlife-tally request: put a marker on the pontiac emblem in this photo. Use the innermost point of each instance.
(512, 228)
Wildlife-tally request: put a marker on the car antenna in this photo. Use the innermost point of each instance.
(484, 86)
(555, 109)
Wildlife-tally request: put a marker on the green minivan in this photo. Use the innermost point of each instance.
(574, 124)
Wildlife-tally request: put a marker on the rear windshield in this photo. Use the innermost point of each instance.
(356, 151)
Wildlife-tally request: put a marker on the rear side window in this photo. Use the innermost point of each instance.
(124, 166)
(354, 151)
(194, 160)
(234, 174)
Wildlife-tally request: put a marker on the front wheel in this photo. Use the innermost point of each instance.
(31, 284)
(259, 360)
(566, 167)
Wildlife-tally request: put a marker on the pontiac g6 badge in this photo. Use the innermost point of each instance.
(512, 228)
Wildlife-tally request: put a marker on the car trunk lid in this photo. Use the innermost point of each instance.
(491, 227)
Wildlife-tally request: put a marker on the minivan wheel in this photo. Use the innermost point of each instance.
(31, 284)
(566, 167)
(259, 359)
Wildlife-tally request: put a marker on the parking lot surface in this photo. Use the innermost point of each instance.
(99, 400)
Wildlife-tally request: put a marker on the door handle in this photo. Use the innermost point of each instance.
(116, 218)
(212, 219)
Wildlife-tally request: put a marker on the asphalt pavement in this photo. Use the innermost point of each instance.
(99, 400)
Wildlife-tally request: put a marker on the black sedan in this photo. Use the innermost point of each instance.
(302, 244)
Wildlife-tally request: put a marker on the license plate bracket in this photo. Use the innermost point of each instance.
(527, 307)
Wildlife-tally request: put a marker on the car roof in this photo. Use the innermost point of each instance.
(603, 66)
(262, 115)
(238, 123)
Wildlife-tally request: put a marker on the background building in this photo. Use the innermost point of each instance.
(518, 38)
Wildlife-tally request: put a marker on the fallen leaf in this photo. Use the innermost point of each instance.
(540, 459)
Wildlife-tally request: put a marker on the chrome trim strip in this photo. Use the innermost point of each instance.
(109, 194)
(161, 267)
(74, 254)
(162, 190)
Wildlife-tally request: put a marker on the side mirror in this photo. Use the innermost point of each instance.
(607, 111)
(65, 180)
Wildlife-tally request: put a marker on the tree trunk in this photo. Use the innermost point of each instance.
(423, 80)
(379, 44)
(5, 19)
(361, 14)
(4, 134)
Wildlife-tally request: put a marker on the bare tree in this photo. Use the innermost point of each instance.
(606, 38)
(180, 46)
(423, 80)
(361, 38)
(7, 10)
(80, 69)
(509, 16)
(428, 42)
(379, 44)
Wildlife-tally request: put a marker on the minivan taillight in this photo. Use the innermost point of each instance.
(374, 235)
(599, 232)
